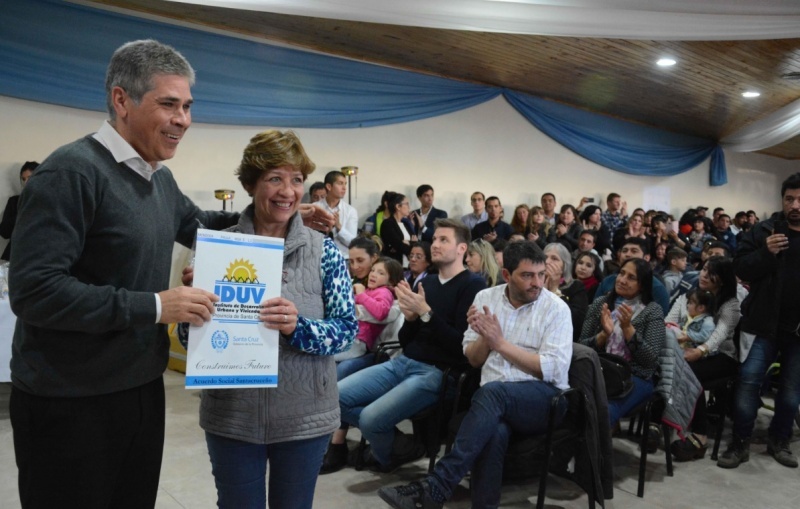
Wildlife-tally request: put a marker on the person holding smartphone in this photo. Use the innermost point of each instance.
(769, 259)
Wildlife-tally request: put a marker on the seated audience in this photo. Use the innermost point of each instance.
(478, 214)
(560, 282)
(698, 237)
(637, 248)
(494, 227)
(373, 302)
(424, 217)
(588, 270)
(724, 232)
(345, 215)
(538, 228)
(633, 229)
(548, 202)
(519, 223)
(364, 251)
(567, 229)
(419, 264)
(628, 323)
(675, 263)
(659, 258)
(520, 335)
(375, 399)
(616, 215)
(592, 220)
(714, 359)
(396, 237)
(481, 260)
(695, 327)
(317, 192)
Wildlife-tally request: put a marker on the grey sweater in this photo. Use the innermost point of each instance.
(93, 244)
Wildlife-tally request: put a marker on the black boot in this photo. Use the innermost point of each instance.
(738, 452)
(335, 458)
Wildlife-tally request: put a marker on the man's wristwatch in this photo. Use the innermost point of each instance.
(426, 317)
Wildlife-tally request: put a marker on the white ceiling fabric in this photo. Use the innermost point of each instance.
(620, 19)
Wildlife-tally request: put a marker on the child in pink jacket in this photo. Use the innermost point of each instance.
(376, 298)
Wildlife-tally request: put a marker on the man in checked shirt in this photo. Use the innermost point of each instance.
(520, 335)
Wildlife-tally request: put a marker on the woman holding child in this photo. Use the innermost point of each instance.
(715, 357)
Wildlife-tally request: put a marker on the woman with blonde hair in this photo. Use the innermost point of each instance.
(480, 260)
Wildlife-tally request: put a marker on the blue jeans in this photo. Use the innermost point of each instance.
(497, 409)
(376, 398)
(748, 395)
(347, 367)
(642, 390)
(239, 469)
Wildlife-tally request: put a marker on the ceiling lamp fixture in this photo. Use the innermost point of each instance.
(750, 94)
(666, 62)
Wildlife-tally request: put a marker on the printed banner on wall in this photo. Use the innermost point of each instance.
(234, 349)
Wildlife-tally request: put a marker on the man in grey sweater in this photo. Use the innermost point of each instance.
(92, 246)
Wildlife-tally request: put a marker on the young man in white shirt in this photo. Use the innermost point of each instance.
(346, 227)
(521, 335)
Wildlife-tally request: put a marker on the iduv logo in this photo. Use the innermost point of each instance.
(240, 284)
(219, 340)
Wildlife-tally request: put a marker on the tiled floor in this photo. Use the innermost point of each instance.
(186, 480)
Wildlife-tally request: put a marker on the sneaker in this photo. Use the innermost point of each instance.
(738, 452)
(416, 495)
(654, 438)
(335, 458)
(779, 449)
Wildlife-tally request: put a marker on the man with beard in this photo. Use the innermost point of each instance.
(377, 398)
(521, 336)
(769, 259)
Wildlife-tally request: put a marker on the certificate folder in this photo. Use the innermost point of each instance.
(235, 350)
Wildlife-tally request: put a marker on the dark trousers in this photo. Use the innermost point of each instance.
(707, 370)
(91, 452)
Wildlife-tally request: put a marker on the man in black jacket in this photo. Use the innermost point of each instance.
(376, 398)
(769, 259)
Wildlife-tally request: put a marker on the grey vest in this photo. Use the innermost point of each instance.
(306, 402)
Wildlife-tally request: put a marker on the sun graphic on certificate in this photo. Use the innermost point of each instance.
(241, 271)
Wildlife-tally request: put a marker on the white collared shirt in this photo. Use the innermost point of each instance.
(348, 217)
(543, 326)
(123, 152)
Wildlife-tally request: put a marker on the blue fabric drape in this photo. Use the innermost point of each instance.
(56, 52)
(616, 144)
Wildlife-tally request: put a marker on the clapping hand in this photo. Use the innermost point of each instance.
(487, 326)
(411, 304)
(606, 322)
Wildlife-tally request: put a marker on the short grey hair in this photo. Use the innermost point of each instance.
(566, 259)
(134, 64)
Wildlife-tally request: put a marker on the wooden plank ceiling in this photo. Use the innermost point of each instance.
(701, 95)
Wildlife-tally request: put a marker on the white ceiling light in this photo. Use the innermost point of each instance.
(666, 62)
(750, 94)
